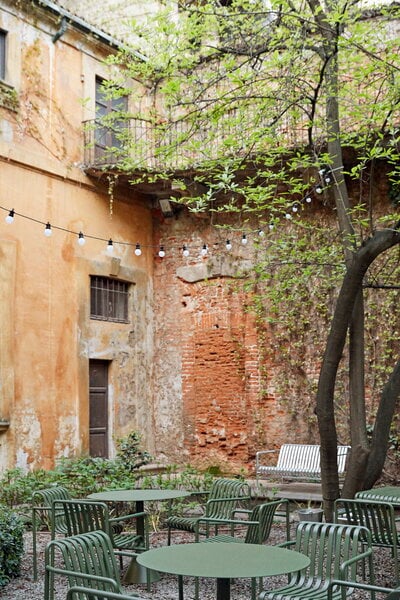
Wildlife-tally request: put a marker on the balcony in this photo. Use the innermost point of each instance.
(140, 150)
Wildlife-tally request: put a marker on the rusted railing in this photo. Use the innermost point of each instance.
(142, 145)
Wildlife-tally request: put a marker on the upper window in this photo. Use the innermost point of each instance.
(109, 299)
(3, 36)
(108, 136)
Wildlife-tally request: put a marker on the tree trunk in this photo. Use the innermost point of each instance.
(351, 287)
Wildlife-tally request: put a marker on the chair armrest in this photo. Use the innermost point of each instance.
(91, 593)
(87, 576)
(343, 567)
(127, 517)
(287, 544)
(359, 585)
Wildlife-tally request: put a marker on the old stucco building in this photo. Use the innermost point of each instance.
(95, 341)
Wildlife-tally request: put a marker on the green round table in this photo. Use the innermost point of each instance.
(223, 561)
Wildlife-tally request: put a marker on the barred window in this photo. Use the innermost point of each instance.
(108, 299)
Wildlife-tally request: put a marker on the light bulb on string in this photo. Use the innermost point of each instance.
(318, 189)
(47, 230)
(110, 246)
(327, 179)
(261, 233)
(185, 251)
(271, 226)
(228, 245)
(288, 216)
(295, 208)
(308, 200)
(204, 250)
(244, 239)
(10, 217)
(161, 252)
(81, 239)
(138, 250)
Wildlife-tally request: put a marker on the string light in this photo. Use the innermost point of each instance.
(327, 176)
(10, 217)
(110, 246)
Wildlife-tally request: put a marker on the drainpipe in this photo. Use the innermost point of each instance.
(61, 31)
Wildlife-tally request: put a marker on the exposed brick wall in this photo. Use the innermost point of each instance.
(215, 404)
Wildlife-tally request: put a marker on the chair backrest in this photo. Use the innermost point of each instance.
(225, 495)
(81, 516)
(86, 560)
(42, 502)
(377, 516)
(329, 545)
(263, 517)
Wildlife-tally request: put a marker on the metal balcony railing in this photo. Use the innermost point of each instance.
(137, 144)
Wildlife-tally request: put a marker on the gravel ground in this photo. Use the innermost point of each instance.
(24, 587)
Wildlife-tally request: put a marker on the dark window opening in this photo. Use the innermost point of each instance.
(109, 299)
(3, 35)
(108, 135)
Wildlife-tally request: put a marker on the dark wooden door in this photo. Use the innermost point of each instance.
(98, 408)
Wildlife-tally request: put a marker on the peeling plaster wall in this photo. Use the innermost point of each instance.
(46, 335)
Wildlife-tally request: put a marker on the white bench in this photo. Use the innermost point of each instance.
(298, 461)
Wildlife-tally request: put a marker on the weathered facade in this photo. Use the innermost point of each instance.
(48, 341)
(95, 344)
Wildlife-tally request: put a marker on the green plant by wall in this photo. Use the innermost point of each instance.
(11, 544)
(129, 451)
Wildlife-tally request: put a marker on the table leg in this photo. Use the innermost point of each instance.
(180, 587)
(223, 589)
(140, 520)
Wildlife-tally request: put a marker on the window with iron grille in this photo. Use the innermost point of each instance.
(109, 299)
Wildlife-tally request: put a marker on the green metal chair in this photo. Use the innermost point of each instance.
(225, 496)
(82, 516)
(86, 560)
(335, 552)
(258, 524)
(258, 527)
(84, 593)
(41, 514)
(378, 517)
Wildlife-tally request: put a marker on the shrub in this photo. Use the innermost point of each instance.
(11, 544)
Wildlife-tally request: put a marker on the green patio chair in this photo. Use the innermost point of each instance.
(82, 516)
(378, 517)
(225, 496)
(258, 527)
(86, 560)
(335, 552)
(258, 524)
(41, 514)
